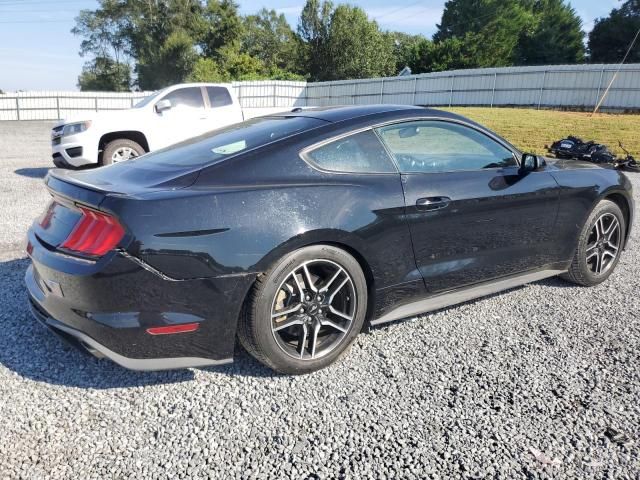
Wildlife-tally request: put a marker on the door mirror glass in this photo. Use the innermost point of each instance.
(531, 162)
(163, 105)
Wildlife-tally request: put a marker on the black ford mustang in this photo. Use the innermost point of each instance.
(288, 232)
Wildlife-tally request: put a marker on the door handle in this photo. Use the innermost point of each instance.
(432, 203)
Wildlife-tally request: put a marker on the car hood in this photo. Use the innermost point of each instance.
(570, 164)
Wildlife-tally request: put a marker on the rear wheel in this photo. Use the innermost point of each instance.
(306, 311)
(121, 150)
(599, 245)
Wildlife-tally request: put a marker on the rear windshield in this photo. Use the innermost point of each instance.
(215, 146)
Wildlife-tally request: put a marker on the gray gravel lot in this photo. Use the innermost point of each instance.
(464, 392)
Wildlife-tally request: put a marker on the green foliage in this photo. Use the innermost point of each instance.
(509, 32)
(406, 49)
(170, 41)
(313, 31)
(356, 46)
(611, 36)
(223, 27)
(103, 74)
(556, 38)
(178, 52)
(269, 37)
(342, 43)
(207, 70)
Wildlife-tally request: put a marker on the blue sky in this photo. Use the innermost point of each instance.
(38, 52)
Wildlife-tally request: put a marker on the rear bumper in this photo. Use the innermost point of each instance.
(85, 342)
(106, 309)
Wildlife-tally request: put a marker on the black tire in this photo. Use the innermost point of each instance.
(584, 272)
(121, 143)
(256, 327)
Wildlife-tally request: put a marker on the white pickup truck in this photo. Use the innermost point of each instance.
(166, 117)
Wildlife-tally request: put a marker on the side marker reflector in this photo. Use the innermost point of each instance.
(169, 329)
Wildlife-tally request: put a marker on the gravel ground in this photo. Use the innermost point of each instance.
(539, 382)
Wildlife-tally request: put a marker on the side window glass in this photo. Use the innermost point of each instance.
(219, 97)
(186, 98)
(432, 146)
(358, 153)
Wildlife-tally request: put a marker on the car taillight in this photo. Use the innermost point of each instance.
(95, 234)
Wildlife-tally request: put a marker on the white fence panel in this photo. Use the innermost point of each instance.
(563, 86)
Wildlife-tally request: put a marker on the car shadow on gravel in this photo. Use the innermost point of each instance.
(33, 172)
(32, 351)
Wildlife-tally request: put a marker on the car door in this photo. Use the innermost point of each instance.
(186, 117)
(473, 216)
(221, 111)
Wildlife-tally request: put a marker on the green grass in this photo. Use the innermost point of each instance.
(530, 130)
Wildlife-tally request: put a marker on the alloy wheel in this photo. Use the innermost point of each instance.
(122, 154)
(603, 244)
(313, 309)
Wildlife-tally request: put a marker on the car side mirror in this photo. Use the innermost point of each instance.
(530, 163)
(163, 105)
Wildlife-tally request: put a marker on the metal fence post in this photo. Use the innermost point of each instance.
(415, 88)
(599, 88)
(275, 94)
(58, 107)
(131, 102)
(382, 91)
(544, 79)
(353, 93)
(453, 79)
(493, 90)
(18, 108)
(96, 103)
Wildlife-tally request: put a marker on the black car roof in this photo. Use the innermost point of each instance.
(340, 113)
(351, 112)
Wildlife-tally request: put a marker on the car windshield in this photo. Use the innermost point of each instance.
(147, 100)
(217, 145)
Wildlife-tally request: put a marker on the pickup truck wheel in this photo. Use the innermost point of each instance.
(120, 150)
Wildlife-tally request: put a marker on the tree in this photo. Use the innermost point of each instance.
(406, 50)
(342, 43)
(207, 70)
(268, 37)
(494, 33)
(104, 32)
(491, 29)
(556, 38)
(611, 36)
(163, 34)
(223, 26)
(356, 46)
(172, 63)
(103, 74)
(313, 30)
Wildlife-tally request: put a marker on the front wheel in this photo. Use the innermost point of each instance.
(599, 246)
(121, 150)
(306, 311)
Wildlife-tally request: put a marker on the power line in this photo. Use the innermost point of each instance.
(37, 21)
(397, 10)
(613, 79)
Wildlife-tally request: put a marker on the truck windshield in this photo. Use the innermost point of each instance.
(147, 100)
(217, 145)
